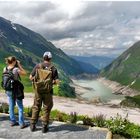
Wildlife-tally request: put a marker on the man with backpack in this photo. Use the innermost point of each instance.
(44, 75)
(14, 89)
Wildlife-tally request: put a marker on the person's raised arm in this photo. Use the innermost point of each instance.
(21, 70)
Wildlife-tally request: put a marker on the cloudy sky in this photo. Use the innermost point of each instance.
(80, 27)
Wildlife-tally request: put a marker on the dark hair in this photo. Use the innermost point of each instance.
(45, 58)
(10, 59)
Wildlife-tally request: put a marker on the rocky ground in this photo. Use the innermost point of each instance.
(57, 130)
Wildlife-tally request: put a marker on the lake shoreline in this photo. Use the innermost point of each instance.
(80, 90)
(117, 88)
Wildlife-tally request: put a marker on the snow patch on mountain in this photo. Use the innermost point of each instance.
(18, 50)
(133, 82)
(127, 56)
(20, 43)
(2, 34)
(13, 26)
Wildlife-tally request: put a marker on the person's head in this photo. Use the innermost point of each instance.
(11, 60)
(47, 56)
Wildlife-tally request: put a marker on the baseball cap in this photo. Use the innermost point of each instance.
(47, 54)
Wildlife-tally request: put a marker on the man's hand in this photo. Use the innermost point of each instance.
(31, 77)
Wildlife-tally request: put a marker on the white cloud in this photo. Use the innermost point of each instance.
(137, 37)
(110, 38)
(128, 43)
(80, 27)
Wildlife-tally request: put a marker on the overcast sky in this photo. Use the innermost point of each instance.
(80, 27)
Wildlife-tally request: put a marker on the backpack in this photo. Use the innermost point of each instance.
(43, 81)
(8, 79)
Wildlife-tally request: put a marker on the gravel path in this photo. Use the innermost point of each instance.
(68, 105)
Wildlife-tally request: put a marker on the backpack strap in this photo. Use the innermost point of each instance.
(11, 70)
(19, 77)
(42, 66)
(49, 68)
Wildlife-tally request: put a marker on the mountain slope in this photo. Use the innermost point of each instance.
(97, 61)
(88, 68)
(29, 47)
(126, 68)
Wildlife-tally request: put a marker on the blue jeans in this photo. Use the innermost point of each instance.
(11, 108)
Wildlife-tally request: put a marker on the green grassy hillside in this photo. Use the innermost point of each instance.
(126, 68)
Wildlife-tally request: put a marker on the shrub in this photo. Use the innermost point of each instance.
(28, 112)
(1, 110)
(53, 114)
(131, 101)
(132, 131)
(16, 110)
(99, 120)
(5, 108)
(117, 125)
(88, 121)
(73, 117)
(59, 117)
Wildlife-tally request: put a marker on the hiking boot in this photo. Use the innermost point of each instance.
(45, 128)
(14, 124)
(32, 127)
(23, 126)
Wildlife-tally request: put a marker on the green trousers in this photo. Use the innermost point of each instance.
(47, 101)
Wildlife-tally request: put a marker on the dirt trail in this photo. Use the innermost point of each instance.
(68, 105)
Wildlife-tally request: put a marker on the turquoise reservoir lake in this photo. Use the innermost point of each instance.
(98, 90)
